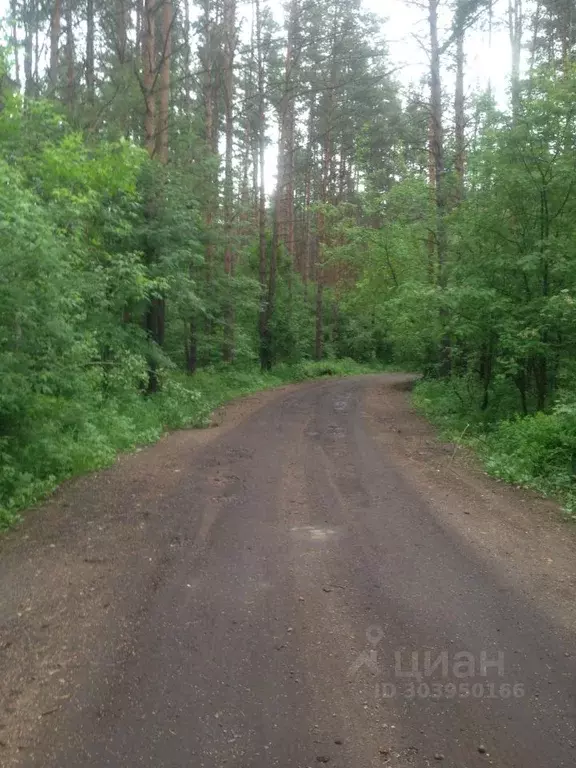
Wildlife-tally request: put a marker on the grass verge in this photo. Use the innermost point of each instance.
(71, 438)
(537, 451)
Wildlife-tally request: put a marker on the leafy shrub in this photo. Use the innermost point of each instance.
(312, 369)
(537, 451)
(69, 437)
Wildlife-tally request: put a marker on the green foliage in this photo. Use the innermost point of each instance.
(313, 369)
(68, 437)
(121, 274)
(536, 451)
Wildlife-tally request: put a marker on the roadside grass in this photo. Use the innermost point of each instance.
(71, 438)
(536, 451)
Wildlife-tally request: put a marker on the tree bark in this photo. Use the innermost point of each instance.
(90, 23)
(29, 83)
(264, 331)
(229, 49)
(55, 25)
(162, 143)
(122, 17)
(154, 318)
(437, 145)
(307, 258)
(14, 35)
(285, 195)
(70, 76)
(210, 93)
(459, 120)
(327, 127)
(149, 74)
(515, 29)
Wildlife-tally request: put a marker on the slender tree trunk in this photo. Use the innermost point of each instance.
(437, 144)
(285, 195)
(321, 227)
(70, 76)
(122, 16)
(263, 326)
(162, 144)
(283, 227)
(327, 128)
(307, 260)
(187, 57)
(29, 85)
(90, 24)
(149, 74)
(431, 238)
(515, 30)
(191, 330)
(321, 230)
(55, 25)
(459, 120)
(36, 48)
(565, 24)
(14, 36)
(535, 31)
(154, 318)
(210, 93)
(229, 21)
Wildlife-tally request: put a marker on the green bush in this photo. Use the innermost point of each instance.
(537, 451)
(68, 437)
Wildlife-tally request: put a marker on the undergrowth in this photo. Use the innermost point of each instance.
(66, 438)
(536, 451)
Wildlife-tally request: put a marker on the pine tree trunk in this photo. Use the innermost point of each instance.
(210, 93)
(154, 318)
(285, 196)
(122, 15)
(437, 145)
(229, 21)
(321, 233)
(90, 23)
(70, 77)
(283, 228)
(149, 74)
(29, 86)
(55, 25)
(13, 10)
(187, 57)
(263, 329)
(327, 128)
(162, 144)
(459, 120)
(307, 259)
(431, 238)
(515, 29)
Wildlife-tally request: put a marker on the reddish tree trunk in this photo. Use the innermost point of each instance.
(149, 74)
(229, 49)
(162, 144)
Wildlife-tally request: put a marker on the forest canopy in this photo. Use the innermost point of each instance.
(145, 263)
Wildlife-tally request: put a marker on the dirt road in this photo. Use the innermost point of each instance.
(316, 580)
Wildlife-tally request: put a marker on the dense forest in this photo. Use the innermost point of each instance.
(148, 270)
